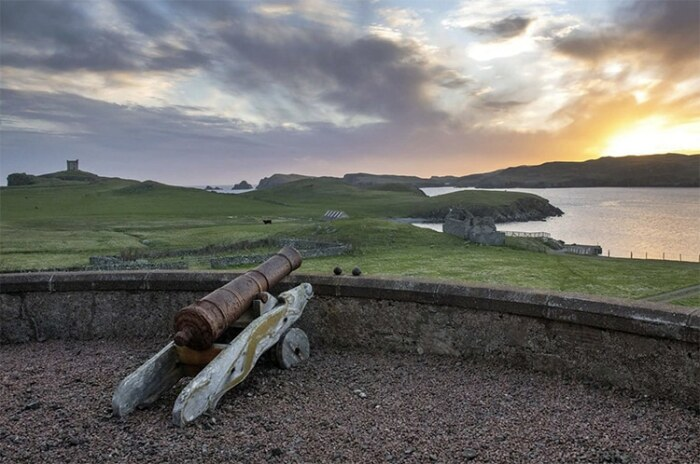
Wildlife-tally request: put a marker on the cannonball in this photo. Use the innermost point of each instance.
(356, 271)
(337, 270)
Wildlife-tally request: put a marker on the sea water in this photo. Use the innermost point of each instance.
(652, 223)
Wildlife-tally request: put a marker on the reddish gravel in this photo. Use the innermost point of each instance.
(339, 407)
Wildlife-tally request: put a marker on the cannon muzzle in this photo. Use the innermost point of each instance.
(198, 325)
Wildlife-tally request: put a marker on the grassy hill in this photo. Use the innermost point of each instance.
(364, 179)
(670, 170)
(316, 195)
(308, 198)
(47, 226)
(52, 179)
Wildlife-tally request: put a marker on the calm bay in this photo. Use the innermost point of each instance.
(652, 223)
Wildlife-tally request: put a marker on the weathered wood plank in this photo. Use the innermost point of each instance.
(236, 361)
(143, 386)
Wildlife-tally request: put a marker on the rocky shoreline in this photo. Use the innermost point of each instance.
(522, 210)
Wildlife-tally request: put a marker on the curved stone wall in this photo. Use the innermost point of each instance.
(647, 347)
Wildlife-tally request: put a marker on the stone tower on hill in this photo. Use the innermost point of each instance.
(72, 165)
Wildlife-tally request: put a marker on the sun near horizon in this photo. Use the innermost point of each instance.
(654, 135)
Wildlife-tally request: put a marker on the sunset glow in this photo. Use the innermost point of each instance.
(655, 135)
(327, 87)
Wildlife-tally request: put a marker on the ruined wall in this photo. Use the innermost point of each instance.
(475, 229)
(651, 348)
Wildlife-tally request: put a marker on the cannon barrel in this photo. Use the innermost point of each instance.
(198, 325)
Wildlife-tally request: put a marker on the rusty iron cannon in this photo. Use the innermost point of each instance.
(265, 322)
(198, 325)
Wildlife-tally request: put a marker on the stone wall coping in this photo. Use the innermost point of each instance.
(631, 316)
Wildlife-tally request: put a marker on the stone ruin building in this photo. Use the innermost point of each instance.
(72, 165)
(482, 230)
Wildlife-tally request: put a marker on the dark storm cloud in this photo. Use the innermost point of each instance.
(671, 27)
(368, 75)
(666, 30)
(61, 36)
(378, 77)
(246, 51)
(506, 28)
(41, 21)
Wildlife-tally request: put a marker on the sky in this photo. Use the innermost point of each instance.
(215, 92)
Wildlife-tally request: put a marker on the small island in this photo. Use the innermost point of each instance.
(244, 185)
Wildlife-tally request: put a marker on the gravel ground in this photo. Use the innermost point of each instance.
(339, 407)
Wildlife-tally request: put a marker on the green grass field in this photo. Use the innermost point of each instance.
(62, 225)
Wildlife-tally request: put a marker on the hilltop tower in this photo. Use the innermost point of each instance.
(72, 165)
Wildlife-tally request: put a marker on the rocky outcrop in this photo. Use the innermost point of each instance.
(279, 179)
(20, 178)
(526, 209)
(530, 208)
(242, 186)
(463, 224)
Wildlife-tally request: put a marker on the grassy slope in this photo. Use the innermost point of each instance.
(45, 227)
(691, 301)
(312, 197)
(652, 170)
(386, 248)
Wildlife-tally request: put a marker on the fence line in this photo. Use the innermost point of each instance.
(664, 257)
(511, 233)
(646, 255)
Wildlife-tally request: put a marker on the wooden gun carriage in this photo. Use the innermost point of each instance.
(217, 367)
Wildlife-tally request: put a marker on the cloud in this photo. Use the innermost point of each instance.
(671, 28)
(485, 13)
(95, 118)
(506, 28)
(331, 86)
(401, 18)
(502, 105)
(665, 31)
(164, 143)
(65, 36)
(363, 76)
(144, 17)
(633, 68)
(309, 71)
